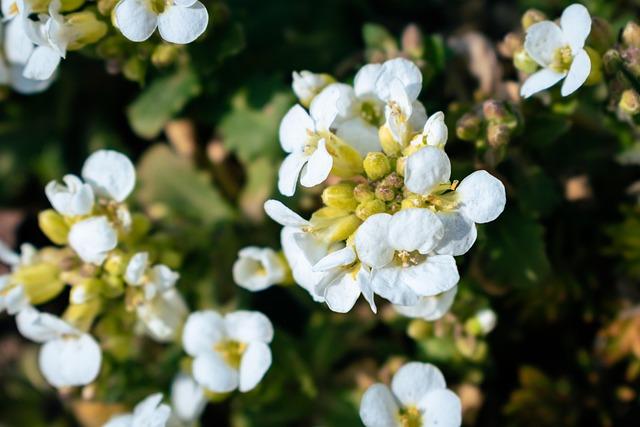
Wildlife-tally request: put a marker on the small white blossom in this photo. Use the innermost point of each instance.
(187, 399)
(559, 50)
(72, 198)
(92, 239)
(13, 297)
(163, 315)
(306, 85)
(11, 74)
(487, 320)
(229, 352)
(178, 21)
(258, 268)
(156, 279)
(435, 132)
(418, 397)
(148, 413)
(110, 174)
(429, 308)
(68, 357)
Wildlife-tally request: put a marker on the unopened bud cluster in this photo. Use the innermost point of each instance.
(492, 124)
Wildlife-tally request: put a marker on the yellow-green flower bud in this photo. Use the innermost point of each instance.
(393, 180)
(498, 135)
(363, 193)
(366, 209)
(400, 165)
(419, 329)
(376, 165)
(532, 16)
(384, 193)
(346, 160)
(164, 54)
(523, 62)
(389, 145)
(134, 69)
(630, 102)
(334, 225)
(53, 226)
(611, 61)
(113, 286)
(86, 28)
(86, 290)
(68, 5)
(468, 127)
(631, 34)
(82, 315)
(494, 111)
(41, 281)
(412, 201)
(106, 6)
(116, 264)
(595, 75)
(340, 196)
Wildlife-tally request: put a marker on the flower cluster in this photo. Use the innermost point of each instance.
(392, 219)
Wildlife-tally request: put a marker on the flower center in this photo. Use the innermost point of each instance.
(562, 59)
(409, 259)
(371, 113)
(159, 6)
(231, 351)
(410, 417)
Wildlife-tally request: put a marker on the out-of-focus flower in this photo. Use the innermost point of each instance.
(150, 412)
(560, 51)
(92, 239)
(155, 280)
(187, 398)
(178, 21)
(110, 174)
(418, 397)
(229, 352)
(163, 315)
(306, 85)
(68, 356)
(71, 199)
(257, 269)
(429, 308)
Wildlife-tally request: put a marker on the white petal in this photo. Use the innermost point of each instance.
(482, 197)
(387, 282)
(42, 63)
(343, 294)
(414, 380)
(542, 41)
(459, 234)
(7, 256)
(150, 412)
(405, 71)
(74, 198)
(25, 86)
(339, 258)
(163, 316)
(255, 362)
(436, 130)
(429, 308)
(363, 277)
(335, 100)
(378, 407)
(578, 73)
(294, 129)
(418, 117)
(415, 229)
(360, 135)
(442, 408)
(187, 398)
(257, 268)
(540, 81)
(425, 169)
(211, 372)
(163, 278)
(41, 327)
(67, 362)
(125, 420)
(92, 239)
(437, 274)
(281, 214)
(135, 19)
(248, 326)
(365, 81)
(372, 245)
(399, 96)
(17, 44)
(202, 331)
(318, 166)
(14, 300)
(111, 174)
(576, 25)
(290, 171)
(302, 250)
(183, 24)
(136, 268)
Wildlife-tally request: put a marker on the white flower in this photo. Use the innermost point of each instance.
(156, 279)
(229, 352)
(68, 356)
(13, 297)
(258, 268)
(306, 85)
(148, 413)
(399, 250)
(111, 174)
(92, 239)
(178, 21)
(486, 319)
(303, 136)
(163, 315)
(187, 398)
(73, 198)
(418, 397)
(434, 133)
(559, 50)
(429, 308)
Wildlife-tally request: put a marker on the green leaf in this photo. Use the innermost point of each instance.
(173, 184)
(377, 37)
(261, 178)
(161, 100)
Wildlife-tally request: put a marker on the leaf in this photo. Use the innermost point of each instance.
(161, 100)
(171, 182)
(261, 177)
(377, 37)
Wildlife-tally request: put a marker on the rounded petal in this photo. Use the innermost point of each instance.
(378, 407)
(426, 168)
(482, 197)
(399, 96)
(26, 86)
(429, 308)
(404, 70)
(92, 239)
(257, 268)
(187, 398)
(67, 362)
(135, 19)
(42, 63)
(17, 44)
(387, 282)
(436, 130)
(442, 408)
(74, 198)
(414, 380)
(41, 327)
(364, 82)
(294, 127)
(415, 229)
(576, 25)
(212, 373)
(335, 100)
(542, 40)
(183, 24)
(540, 81)
(436, 274)
(360, 135)
(578, 73)
(342, 295)
(111, 174)
(281, 214)
(248, 326)
(418, 117)
(339, 258)
(202, 331)
(460, 234)
(372, 245)
(302, 251)
(318, 166)
(255, 362)
(290, 171)
(136, 268)
(150, 412)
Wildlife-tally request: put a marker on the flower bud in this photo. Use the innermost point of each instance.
(631, 34)
(53, 226)
(393, 180)
(631, 57)
(419, 329)
(595, 75)
(384, 193)
(412, 201)
(523, 62)
(306, 85)
(498, 135)
(494, 110)
(372, 207)
(532, 16)
(363, 193)
(412, 43)
(468, 127)
(164, 54)
(389, 145)
(41, 281)
(340, 196)
(630, 102)
(601, 37)
(611, 61)
(341, 229)
(346, 160)
(376, 165)
(85, 27)
(400, 162)
(113, 286)
(82, 315)
(68, 5)
(86, 290)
